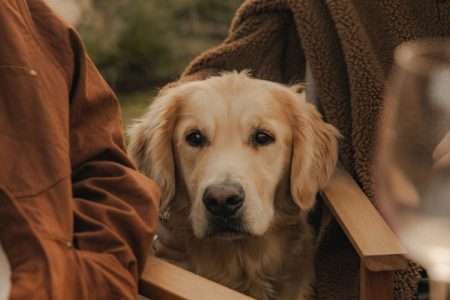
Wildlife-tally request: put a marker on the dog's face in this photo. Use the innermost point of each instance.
(234, 145)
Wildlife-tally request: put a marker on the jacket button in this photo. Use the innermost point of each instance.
(33, 72)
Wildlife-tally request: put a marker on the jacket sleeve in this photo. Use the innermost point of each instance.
(85, 235)
(262, 39)
(115, 207)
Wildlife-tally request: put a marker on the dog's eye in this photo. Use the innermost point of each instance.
(261, 138)
(195, 139)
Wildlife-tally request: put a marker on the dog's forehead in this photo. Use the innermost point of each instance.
(233, 102)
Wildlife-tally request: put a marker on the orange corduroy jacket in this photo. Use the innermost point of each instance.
(76, 218)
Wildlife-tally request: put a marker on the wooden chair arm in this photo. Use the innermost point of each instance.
(377, 246)
(162, 280)
(374, 241)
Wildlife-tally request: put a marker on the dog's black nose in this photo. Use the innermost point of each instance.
(224, 199)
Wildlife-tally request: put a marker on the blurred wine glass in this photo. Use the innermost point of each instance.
(413, 162)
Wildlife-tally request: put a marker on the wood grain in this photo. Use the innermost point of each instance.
(376, 285)
(163, 281)
(374, 241)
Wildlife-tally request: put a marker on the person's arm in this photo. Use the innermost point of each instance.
(115, 207)
(85, 235)
(109, 221)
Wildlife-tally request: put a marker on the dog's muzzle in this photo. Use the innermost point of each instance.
(223, 203)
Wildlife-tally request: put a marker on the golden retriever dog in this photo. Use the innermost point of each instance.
(239, 161)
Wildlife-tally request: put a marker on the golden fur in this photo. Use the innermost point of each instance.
(274, 259)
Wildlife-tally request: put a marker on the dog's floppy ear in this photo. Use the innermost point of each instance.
(150, 143)
(315, 150)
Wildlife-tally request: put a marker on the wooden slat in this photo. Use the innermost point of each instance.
(376, 285)
(163, 281)
(376, 244)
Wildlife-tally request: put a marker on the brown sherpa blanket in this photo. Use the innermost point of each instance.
(349, 47)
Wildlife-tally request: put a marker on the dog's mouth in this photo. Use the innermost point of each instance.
(230, 233)
(226, 228)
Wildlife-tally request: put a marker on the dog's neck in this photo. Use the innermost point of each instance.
(256, 265)
(240, 264)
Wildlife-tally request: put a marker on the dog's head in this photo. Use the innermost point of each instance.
(229, 146)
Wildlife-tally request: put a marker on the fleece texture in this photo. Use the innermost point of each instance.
(349, 46)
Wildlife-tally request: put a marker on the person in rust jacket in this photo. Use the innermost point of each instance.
(76, 218)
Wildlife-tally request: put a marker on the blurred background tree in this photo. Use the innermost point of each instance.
(140, 45)
(137, 43)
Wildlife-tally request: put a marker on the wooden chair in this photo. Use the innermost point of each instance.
(375, 243)
(377, 246)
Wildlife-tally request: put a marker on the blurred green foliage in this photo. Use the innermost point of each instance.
(134, 105)
(133, 41)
